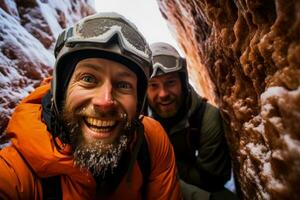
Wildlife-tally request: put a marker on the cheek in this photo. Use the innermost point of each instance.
(177, 90)
(150, 95)
(130, 105)
(75, 97)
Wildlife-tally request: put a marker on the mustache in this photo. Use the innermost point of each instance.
(165, 100)
(98, 113)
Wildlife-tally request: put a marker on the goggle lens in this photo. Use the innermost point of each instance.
(166, 64)
(101, 30)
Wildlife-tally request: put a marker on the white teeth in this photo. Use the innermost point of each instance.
(99, 129)
(100, 123)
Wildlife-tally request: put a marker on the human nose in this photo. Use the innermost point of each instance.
(103, 97)
(163, 92)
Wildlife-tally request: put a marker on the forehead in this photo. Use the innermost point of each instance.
(104, 65)
(164, 77)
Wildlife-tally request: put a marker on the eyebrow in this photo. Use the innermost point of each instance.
(97, 68)
(89, 65)
(126, 74)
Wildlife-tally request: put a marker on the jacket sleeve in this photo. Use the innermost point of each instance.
(163, 181)
(16, 179)
(213, 161)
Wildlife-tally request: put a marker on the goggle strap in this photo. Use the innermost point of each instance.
(69, 33)
(62, 39)
(59, 43)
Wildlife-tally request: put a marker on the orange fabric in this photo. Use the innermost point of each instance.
(32, 155)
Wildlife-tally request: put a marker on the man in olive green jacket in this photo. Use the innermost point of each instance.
(194, 126)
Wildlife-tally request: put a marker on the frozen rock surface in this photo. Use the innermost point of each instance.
(28, 30)
(245, 57)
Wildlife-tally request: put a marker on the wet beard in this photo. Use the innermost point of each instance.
(99, 158)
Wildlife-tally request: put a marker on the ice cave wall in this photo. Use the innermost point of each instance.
(245, 57)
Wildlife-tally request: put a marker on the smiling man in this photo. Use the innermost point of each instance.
(194, 127)
(82, 136)
(101, 98)
(165, 94)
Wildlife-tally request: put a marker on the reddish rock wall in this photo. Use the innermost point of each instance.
(28, 30)
(245, 56)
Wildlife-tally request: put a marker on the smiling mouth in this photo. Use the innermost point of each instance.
(99, 126)
(166, 103)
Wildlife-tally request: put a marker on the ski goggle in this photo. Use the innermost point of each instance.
(166, 64)
(101, 30)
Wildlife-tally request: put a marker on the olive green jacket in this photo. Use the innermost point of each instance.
(211, 166)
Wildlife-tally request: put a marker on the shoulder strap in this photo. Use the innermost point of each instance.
(52, 188)
(141, 156)
(194, 132)
(143, 159)
(144, 162)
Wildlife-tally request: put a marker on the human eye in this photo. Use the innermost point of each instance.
(152, 85)
(124, 85)
(88, 79)
(171, 82)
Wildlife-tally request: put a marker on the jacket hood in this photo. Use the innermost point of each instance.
(32, 140)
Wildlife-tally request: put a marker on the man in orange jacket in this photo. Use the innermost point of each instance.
(82, 136)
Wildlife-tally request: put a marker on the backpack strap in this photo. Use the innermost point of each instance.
(52, 188)
(142, 156)
(144, 163)
(194, 131)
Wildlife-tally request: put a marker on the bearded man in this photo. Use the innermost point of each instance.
(82, 136)
(194, 127)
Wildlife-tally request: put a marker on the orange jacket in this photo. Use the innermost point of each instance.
(32, 154)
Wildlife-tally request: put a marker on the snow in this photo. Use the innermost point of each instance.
(272, 183)
(273, 91)
(259, 151)
(12, 8)
(50, 13)
(50, 16)
(250, 126)
(260, 128)
(266, 169)
(30, 47)
(252, 174)
(275, 120)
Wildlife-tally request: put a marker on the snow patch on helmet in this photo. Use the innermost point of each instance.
(107, 35)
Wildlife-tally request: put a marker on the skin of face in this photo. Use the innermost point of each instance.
(164, 94)
(103, 93)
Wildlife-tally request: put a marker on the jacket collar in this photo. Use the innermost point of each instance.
(31, 138)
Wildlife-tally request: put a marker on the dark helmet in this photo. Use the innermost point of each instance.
(166, 59)
(103, 35)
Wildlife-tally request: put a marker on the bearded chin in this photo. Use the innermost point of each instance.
(96, 156)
